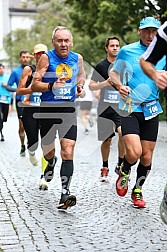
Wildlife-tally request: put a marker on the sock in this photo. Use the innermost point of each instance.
(142, 173)
(126, 166)
(120, 160)
(66, 173)
(105, 163)
(51, 161)
(32, 153)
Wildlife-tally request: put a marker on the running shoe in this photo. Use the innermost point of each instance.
(104, 174)
(43, 184)
(33, 159)
(49, 171)
(23, 151)
(163, 206)
(122, 184)
(86, 131)
(117, 169)
(137, 198)
(66, 201)
(2, 138)
(91, 122)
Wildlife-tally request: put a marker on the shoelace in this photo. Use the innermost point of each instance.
(125, 180)
(138, 196)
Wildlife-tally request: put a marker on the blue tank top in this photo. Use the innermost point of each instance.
(143, 89)
(66, 68)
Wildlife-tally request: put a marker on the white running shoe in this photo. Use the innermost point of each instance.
(43, 185)
(33, 159)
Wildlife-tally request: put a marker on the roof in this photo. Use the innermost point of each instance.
(21, 4)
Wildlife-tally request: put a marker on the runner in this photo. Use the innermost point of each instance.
(5, 99)
(31, 105)
(85, 108)
(15, 78)
(60, 77)
(139, 119)
(154, 53)
(108, 121)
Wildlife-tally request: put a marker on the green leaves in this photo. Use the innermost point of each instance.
(91, 21)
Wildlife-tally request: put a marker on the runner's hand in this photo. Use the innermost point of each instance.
(80, 91)
(124, 91)
(60, 83)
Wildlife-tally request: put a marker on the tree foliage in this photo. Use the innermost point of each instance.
(98, 19)
(105, 16)
(91, 22)
(51, 14)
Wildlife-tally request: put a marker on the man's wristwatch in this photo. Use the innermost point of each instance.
(50, 85)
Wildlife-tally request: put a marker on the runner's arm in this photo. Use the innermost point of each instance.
(22, 89)
(116, 82)
(81, 77)
(93, 85)
(160, 77)
(37, 85)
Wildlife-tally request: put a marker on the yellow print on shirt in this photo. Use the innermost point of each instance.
(64, 72)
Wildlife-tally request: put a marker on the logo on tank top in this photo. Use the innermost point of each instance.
(64, 72)
(137, 59)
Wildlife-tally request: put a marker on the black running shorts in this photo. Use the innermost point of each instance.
(4, 109)
(19, 108)
(107, 122)
(85, 105)
(57, 119)
(135, 123)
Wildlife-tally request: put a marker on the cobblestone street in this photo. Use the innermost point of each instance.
(101, 220)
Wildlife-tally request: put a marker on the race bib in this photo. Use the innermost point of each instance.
(35, 99)
(151, 109)
(65, 93)
(4, 99)
(111, 96)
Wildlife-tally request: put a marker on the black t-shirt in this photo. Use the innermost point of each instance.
(101, 73)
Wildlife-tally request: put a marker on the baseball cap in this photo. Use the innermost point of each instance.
(149, 22)
(40, 48)
(1, 65)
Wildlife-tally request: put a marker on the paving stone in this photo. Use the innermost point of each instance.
(101, 220)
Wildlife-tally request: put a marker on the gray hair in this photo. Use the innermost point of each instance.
(61, 28)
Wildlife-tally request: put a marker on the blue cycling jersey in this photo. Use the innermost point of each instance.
(66, 68)
(143, 89)
(15, 78)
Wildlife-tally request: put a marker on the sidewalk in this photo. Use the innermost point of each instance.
(163, 131)
(101, 220)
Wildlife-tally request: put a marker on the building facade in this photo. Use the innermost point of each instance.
(14, 14)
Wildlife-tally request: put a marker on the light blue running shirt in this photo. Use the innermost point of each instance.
(143, 89)
(5, 95)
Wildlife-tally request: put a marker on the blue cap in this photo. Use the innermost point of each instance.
(149, 22)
